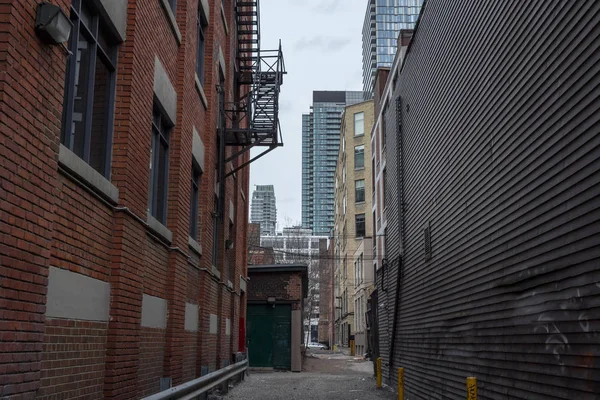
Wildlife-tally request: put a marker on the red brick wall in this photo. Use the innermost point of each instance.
(285, 286)
(152, 352)
(73, 359)
(48, 219)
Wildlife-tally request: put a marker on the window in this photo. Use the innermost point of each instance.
(359, 191)
(89, 90)
(173, 4)
(159, 166)
(359, 157)
(194, 203)
(359, 124)
(200, 44)
(360, 225)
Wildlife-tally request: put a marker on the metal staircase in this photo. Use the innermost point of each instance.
(252, 120)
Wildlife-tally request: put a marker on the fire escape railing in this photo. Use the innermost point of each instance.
(252, 119)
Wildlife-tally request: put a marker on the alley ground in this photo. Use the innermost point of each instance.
(324, 376)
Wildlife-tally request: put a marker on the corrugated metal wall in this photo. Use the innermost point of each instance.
(501, 125)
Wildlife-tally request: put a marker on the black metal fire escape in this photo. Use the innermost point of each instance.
(252, 120)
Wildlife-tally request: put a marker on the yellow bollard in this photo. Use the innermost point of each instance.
(400, 383)
(471, 388)
(378, 366)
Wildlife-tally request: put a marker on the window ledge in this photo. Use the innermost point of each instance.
(359, 203)
(359, 168)
(360, 135)
(172, 20)
(229, 284)
(87, 174)
(216, 272)
(195, 246)
(157, 227)
(200, 90)
(224, 19)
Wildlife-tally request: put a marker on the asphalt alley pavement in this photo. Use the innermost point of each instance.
(324, 376)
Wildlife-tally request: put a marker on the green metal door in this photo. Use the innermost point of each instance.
(282, 340)
(269, 335)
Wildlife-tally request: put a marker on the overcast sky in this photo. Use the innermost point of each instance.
(322, 48)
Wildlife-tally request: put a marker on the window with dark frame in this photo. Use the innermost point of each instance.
(173, 4)
(359, 191)
(359, 157)
(194, 198)
(200, 45)
(88, 108)
(360, 225)
(159, 165)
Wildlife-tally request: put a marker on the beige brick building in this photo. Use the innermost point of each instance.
(353, 218)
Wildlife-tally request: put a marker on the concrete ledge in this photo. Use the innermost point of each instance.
(216, 272)
(224, 19)
(231, 212)
(222, 62)
(83, 170)
(156, 226)
(154, 312)
(200, 90)
(172, 20)
(242, 284)
(164, 90)
(191, 317)
(198, 149)
(227, 326)
(115, 14)
(205, 11)
(195, 246)
(75, 296)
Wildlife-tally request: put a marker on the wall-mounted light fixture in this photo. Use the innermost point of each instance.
(52, 24)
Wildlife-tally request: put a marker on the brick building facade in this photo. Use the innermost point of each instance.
(112, 284)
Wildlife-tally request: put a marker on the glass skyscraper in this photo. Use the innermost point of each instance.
(264, 209)
(320, 146)
(383, 21)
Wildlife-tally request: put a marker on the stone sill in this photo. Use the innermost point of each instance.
(194, 246)
(200, 90)
(172, 20)
(224, 19)
(88, 175)
(157, 227)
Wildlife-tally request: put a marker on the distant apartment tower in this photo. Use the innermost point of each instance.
(264, 209)
(383, 21)
(320, 145)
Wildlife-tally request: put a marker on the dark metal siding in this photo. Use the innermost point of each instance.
(501, 125)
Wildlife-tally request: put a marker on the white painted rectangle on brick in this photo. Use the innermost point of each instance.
(214, 321)
(75, 296)
(154, 312)
(191, 317)
(227, 326)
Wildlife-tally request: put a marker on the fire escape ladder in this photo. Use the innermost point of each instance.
(253, 119)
